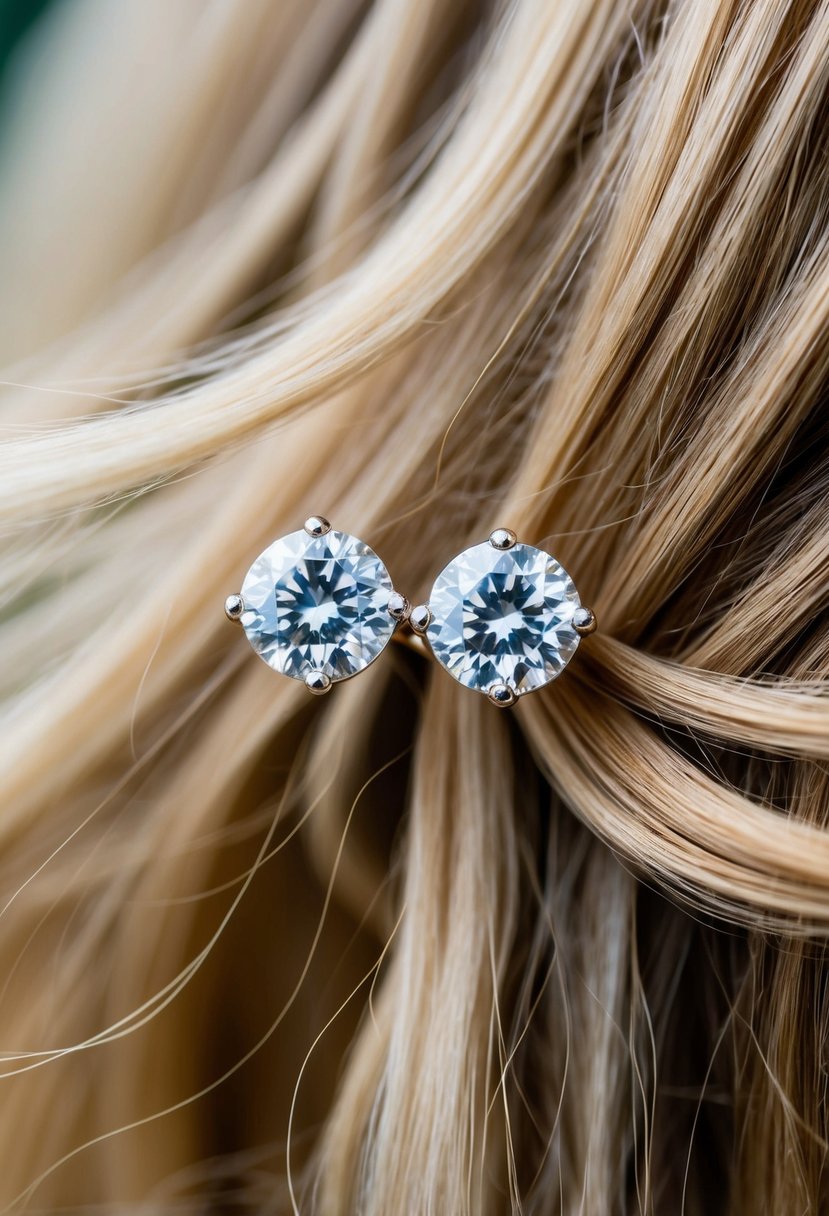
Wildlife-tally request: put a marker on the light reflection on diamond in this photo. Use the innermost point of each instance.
(503, 617)
(317, 603)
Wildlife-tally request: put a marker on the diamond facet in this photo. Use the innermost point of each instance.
(503, 618)
(317, 604)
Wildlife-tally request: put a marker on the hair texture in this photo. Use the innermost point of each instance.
(429, 267)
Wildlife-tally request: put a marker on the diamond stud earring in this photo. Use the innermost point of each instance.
(503, 618)
(318, 605)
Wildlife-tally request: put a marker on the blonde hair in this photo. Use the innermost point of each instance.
(428, 268)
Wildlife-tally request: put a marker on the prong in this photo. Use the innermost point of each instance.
(317, 525)
(502, 696)
(234, 607)
(584, 621)
(399, 606)
(318, 683)
(420, 618)
(503, 538)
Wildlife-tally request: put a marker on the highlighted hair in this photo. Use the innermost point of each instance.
(429, 268)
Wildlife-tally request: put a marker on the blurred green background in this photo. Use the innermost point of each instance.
(16, 16)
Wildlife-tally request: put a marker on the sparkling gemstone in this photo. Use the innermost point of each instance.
(503, 618)
(317, 603)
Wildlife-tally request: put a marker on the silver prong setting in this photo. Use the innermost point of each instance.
(318, 683)
(502, 539)
(399, 606)
(234, 607)
(502, 695)
(584, 621)
(420, 618)
(317, 525)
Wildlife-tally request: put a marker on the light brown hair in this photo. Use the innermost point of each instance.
(428, 268)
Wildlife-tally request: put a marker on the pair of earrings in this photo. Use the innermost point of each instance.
(503, 618)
